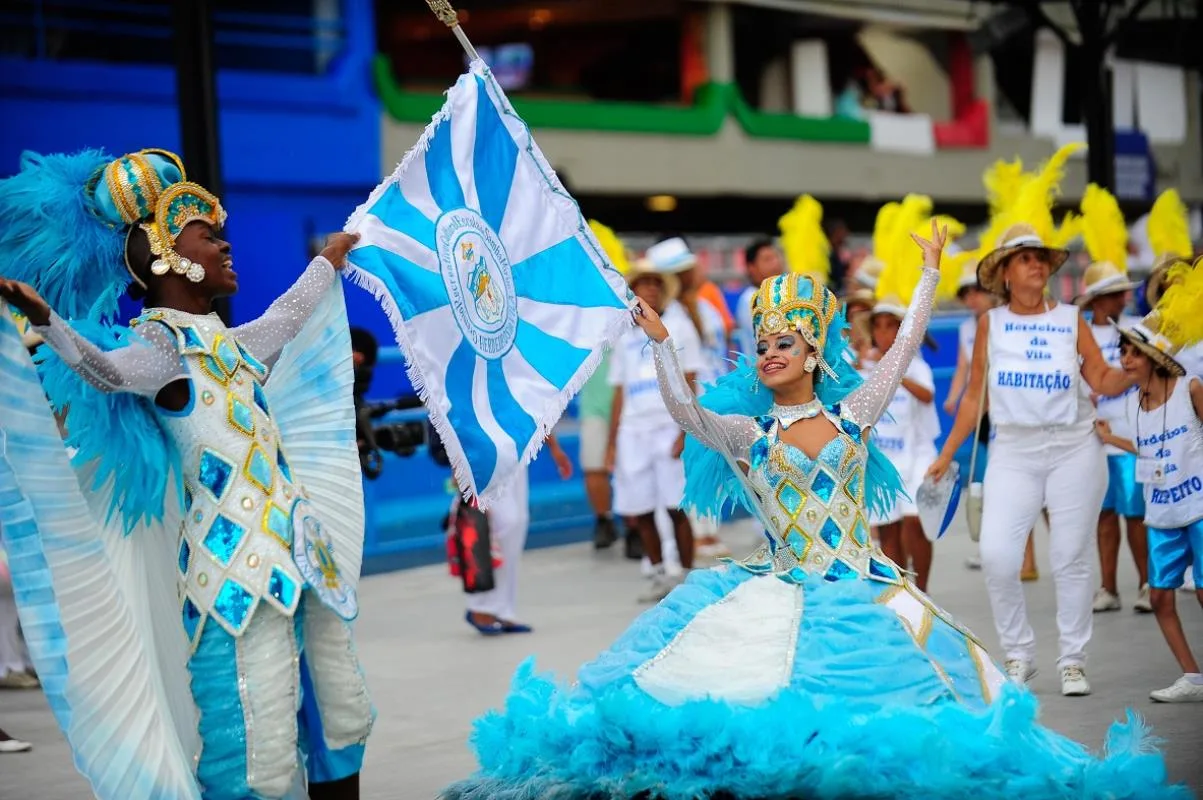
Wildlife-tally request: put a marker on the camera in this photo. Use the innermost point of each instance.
(402, 438)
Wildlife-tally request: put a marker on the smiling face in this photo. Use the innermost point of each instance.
(1028, 269)
(202, 244)
(780, 359)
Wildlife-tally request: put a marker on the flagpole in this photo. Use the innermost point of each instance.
(446, 14)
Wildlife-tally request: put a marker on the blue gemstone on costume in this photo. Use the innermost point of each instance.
(191, 617)
(880, 570)
(790, 498)
(839, 571)
(823, 484)
(854, 486)
(232, 603)
(259, 469)
(192, 338)
(282, 587)
(260, 398)
(282, 463)
(215, 473)
(226, 356)
(277, 522)
(831, 534)
(850, 428)
(213, 368)
(223, 539)
(184, 556)
(255, 364)
(860, 533)
(241, 416)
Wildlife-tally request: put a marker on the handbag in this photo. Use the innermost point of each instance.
(470, 547)
(974, 502)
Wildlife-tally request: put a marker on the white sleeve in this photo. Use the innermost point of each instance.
(618, 363)
(142, 367)
(266, 336)
(921, 373)
(689, 347)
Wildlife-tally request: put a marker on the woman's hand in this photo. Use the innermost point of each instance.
(649, 322)
(933, 248)
(563, 462)
(25, 299)
(1103, 428)
(950, 405)
(936, 471)
(611, 457)
(337, 247)
(679, 446)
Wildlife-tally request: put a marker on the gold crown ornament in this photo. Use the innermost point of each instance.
(797, 302)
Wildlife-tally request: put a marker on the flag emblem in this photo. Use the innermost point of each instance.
(497, 290)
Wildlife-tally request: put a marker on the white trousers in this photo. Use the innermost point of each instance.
(14, 656)
(509, 519)
(1064, 470)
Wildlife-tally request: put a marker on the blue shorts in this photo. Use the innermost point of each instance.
(1172, 551)
(1124, 495)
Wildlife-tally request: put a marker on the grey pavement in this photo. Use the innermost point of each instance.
(431, 674)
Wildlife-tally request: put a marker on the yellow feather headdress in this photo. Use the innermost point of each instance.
(1168, 229)
(901, 259)
(612, 246)
(807, 250)
(1104, 231)
(1175, 322)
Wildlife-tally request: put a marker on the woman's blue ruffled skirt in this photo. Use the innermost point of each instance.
(741, 687)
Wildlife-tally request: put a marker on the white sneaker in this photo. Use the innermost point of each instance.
(1073, 681)
(1105, 601)
(1188, 583)
(973, 562)
(660, 586)
(1183, 690)
(1019, 671)
(14, 746)
(1143, 604)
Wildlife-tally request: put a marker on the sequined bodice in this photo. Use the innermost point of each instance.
(246, 535)
(816, 507)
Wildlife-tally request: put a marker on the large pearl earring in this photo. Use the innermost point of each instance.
(810, 363)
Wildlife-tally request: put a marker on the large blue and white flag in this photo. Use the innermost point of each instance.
(498, 292)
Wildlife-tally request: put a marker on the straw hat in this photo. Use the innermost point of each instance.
(644, 268)
(1103, 278)
(869, 271)
(1146, 337)
(1155, 284)
(1014, 239)
(860, 297)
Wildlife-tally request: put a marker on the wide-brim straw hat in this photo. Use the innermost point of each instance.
(1155, 284)
(890, 305)
(1014, 239)
(1101, 279)
(869, 270)
(1146, 337)
(644, 268)
(861, 296)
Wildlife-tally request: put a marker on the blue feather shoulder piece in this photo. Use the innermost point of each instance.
(119, 431)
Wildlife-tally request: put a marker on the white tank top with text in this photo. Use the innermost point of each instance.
(1171, 437)
(1034, 371)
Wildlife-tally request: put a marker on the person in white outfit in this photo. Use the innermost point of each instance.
(674, 256)
(1032, 353)
(907, 435)
(1167, 437)
(1189, 357)
(645, 443)
(1104, 299)
(495, 611)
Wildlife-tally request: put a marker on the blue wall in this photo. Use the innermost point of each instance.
(299, 152)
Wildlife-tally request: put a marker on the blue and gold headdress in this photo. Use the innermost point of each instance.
(800, 303)
(64, 226)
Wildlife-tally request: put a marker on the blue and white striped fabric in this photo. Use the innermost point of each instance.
(498, 292)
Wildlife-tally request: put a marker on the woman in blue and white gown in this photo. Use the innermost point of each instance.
(813, 668)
